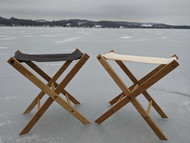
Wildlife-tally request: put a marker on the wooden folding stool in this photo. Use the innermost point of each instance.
(52, 88)
(139, 86)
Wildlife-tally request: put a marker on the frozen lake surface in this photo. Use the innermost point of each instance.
(93, 87)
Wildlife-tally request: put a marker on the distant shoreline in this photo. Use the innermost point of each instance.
(90, 28)
(78, 23)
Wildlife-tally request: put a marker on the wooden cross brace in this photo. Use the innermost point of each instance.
(139, 86)
(46, 89)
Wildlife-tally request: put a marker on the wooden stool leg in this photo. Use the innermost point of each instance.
(149, 120)
(154, 104)
(41, 94)
(46, 77)
(34, 103)
(149, 98)
(38, 104)
(68, 99)
(64, 92)
(112, 110)
(37, 116)
(149, 107)
(145, 93)
(113, 101)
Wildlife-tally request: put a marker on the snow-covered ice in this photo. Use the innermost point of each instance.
(93, 87)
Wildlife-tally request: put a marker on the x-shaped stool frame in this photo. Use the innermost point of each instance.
(139, 86)
(52, 89)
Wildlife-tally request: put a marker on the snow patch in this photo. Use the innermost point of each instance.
(53, 64)
(6, 123)
(4, 47)
(35, 139)
(67, 40)
(84, 33)
(164, 37)
(60, 34)
(29, 36)
(3, 115)
(186, 105)
(48, 36)
(1, 140)
(81, 23)
(8, 38)
(97, 26)
(10, 97)
(126, 37)
(68, 25)
(146, 25)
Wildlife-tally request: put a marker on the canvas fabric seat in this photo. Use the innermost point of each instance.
(129, 94)
(48, 57)
(52, 88)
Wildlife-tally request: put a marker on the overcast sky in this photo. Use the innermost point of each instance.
(160, 11)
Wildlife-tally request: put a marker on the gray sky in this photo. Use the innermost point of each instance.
(160, 11)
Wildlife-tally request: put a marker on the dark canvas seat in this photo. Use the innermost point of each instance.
(52, 88)
(129, 94)
(48, 57)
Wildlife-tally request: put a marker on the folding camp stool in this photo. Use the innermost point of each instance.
(52, 88)
(139, 86)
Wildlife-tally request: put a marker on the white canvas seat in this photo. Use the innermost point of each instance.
(139, 59)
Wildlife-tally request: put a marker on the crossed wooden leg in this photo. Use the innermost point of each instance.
(50, 80)
(53, 93)
(132, 92)
(145, 93)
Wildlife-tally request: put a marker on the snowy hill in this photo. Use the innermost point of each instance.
(85, 23)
